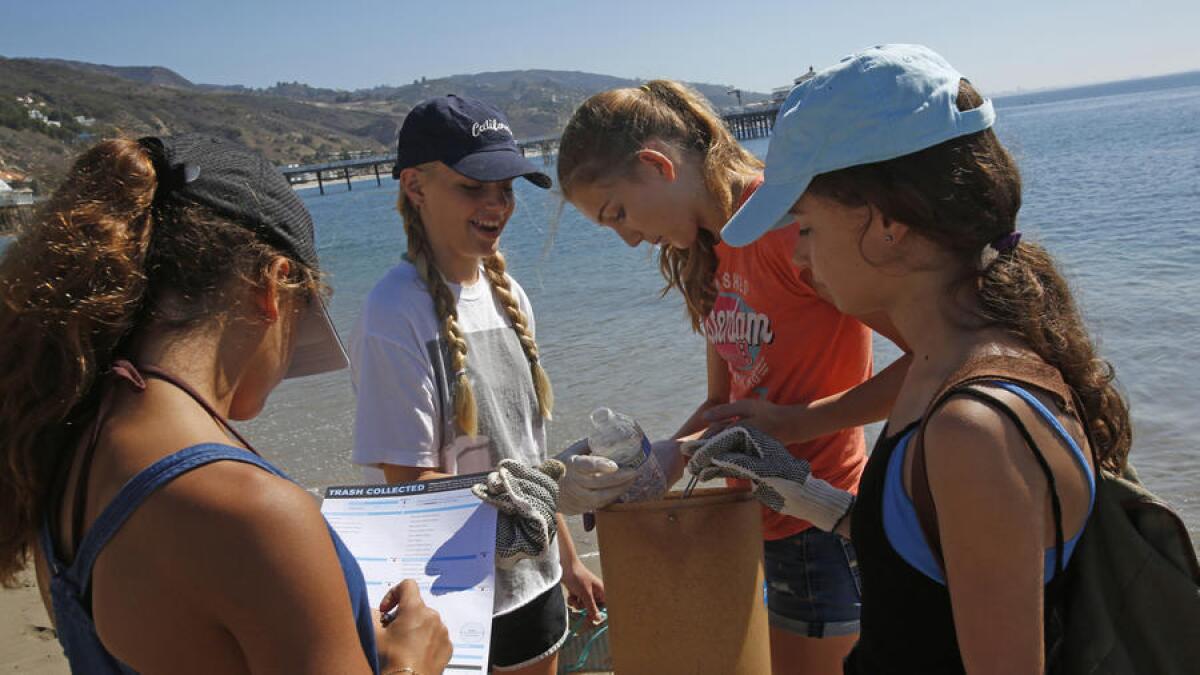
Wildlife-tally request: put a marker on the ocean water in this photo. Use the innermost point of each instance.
(1112, 187)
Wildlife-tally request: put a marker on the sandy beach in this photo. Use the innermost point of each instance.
(27, 642)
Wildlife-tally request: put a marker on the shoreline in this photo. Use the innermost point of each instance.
(384, 179)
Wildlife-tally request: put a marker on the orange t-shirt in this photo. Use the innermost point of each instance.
(786, 345)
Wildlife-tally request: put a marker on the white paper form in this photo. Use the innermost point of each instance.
(436, 533)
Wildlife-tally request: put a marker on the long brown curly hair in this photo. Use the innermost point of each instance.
(602, 140)
(101, 262)
(964, 194)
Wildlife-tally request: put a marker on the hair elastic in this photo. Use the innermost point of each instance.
(1004, 244)
(170, 176)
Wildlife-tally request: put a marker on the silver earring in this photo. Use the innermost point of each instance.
(888, 238)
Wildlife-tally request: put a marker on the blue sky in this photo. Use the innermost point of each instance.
(1002, 46)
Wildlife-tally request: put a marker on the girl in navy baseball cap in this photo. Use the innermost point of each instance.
(448, 374)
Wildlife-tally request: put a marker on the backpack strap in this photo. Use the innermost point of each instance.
(1022, 370)
(927, 514)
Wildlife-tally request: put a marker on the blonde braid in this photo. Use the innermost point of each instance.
(494, 267)
(421, 256)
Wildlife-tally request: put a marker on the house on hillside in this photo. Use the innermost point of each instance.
(14, 197)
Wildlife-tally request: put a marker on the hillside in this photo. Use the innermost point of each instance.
(156, 75)
(538, 102)
(76, 103)
(89, 104)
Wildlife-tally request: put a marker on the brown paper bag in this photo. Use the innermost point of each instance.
(683, 580)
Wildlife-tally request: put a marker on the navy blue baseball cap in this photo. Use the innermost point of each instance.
(467, 135)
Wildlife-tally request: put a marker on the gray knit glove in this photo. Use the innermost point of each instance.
(782, 482)
(526, 498)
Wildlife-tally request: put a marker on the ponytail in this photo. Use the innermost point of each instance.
(603, 137)
(1023, 292)
(73, 285)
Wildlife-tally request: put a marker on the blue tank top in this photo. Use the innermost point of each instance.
(903, 527)
(70, 590)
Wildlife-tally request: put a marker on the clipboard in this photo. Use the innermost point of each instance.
(435, 532)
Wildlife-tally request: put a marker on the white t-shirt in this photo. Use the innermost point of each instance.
(404, 385)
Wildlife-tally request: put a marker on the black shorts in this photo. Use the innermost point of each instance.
(529, 633)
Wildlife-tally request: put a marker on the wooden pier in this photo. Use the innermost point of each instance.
(546, 147)
(16, 216)
(343, 169)
(751, 123)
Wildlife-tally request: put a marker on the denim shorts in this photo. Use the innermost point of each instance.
(813, 585)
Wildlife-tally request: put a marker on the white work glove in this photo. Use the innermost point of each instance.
(782, 482)
(591, 482)
(526, 500)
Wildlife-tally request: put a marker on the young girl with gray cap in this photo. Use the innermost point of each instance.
(167, 287)
(447, 372)
(979, 486)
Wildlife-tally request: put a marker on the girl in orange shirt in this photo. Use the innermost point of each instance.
(656, 163)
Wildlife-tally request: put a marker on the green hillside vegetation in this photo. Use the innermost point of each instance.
(284, 130)
(538, 102)
(289, 122)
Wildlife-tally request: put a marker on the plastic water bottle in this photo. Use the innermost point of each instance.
(619, 438)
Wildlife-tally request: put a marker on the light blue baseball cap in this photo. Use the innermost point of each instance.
(881, 103)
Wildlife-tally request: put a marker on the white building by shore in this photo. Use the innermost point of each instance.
(11, 197)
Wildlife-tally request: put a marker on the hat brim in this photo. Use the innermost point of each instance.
(766, 210)
(318, 348)
(502, 164)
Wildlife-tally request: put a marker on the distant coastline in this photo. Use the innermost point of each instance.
(50, 110)
(1113, 88)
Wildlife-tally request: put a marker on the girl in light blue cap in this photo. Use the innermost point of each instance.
(976, 492)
